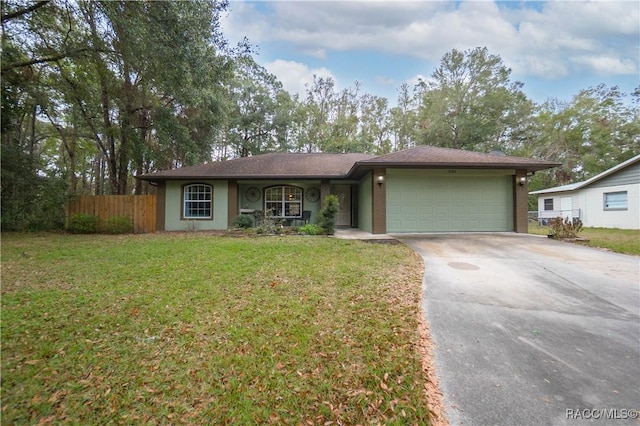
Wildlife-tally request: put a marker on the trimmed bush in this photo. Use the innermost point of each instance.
(327, 216)
(83, 223)
(118, 225)
(309, 229)
(243, 221)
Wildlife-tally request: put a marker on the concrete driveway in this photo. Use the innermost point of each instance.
(532, 331)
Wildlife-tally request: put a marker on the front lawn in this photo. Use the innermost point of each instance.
(625, 241)
(199, 329)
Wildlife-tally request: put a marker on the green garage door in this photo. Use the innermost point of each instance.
(443, 200)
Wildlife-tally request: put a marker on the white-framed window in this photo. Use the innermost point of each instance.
(615, 200)
(283, 201)
(548, 204)
(197, 201)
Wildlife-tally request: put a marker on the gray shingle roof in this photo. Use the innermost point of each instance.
(431, 156)
(340, 166)
(268, 166)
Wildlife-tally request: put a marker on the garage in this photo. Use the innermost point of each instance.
(451, 200)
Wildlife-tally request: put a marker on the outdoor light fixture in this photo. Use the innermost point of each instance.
(523, 179)
(380, 180)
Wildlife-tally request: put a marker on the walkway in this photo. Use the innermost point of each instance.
(358, 234)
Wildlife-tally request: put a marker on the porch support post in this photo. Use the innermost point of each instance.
(520, 202)
(232, 202)
(325, 189)
(379, 201)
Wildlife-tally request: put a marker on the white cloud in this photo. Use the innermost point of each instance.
(555, 41)
(547, 67)
(550, 39)
(243, 20)
(588, 19)
(295, 76)
(604, 65)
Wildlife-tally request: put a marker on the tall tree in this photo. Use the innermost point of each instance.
(375, 135)
(168, 76)
(402, 119)
(343, 120)
(317, 112)
(31, 192)
(470, 103)
(255, 123)
(596, 130)
(146, 83)
(340, 122)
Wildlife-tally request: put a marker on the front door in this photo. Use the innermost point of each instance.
(343, 216)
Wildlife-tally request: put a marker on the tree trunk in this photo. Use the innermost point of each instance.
(70, 148)
(109, 131)
(126, 129)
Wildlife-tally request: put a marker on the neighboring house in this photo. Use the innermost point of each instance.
(608, 200)
(422, 189)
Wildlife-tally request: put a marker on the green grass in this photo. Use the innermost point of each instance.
(625, 241)
(196, 328)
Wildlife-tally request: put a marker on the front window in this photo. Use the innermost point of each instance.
(197, 201)
(283, 201)
(615, 200)
(548, 204)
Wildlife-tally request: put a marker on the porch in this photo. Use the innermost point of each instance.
(292, 203)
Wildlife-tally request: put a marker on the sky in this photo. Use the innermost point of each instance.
(556, 48)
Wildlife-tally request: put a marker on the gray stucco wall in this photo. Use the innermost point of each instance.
(173, 206)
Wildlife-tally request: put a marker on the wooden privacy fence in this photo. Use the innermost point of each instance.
(140, 208)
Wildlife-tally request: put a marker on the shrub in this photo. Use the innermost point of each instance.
(268, 225)
(309, 229)
(564, 228)
(83, 223)
(118, 225)
(327, 216)
(243, 221)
